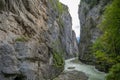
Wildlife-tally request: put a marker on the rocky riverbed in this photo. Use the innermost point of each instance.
(72, 75)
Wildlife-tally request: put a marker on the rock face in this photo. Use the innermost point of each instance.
(31, 41)
(72, 75)
(68, 37)
(90, 14)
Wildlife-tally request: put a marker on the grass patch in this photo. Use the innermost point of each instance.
(22, 39)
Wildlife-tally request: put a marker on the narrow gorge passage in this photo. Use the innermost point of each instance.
(38, 40)
(72, 67)
(73, 6)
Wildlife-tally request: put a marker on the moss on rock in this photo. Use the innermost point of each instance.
(58, 60)
(22, 39)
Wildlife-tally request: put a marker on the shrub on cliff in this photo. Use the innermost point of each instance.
(57, 6)
(107, 47)
(58, 60)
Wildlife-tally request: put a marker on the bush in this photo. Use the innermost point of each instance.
(114, 73)
(60, 7)
(58, 60)
(107, 47)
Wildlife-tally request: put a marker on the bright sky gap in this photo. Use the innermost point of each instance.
(73, 9)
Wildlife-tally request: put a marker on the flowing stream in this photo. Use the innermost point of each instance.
(89, 70)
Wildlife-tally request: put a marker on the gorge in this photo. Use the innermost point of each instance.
(36, 37)
(37, 41)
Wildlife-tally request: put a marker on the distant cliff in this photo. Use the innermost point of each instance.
(36, 36)
(68, 36)
(90, 15)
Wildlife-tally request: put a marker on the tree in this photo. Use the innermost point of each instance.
(107, 47)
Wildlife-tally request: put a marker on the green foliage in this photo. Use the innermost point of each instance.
(60, 7)
(58, 59)
(107, 47)
(57, 6)
(114, 73)
(22, 39)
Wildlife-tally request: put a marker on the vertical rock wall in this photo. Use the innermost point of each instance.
(31, 39)
(90, 14)
(68, 37)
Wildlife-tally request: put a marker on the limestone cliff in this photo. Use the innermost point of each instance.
(90, 14)
(33, 38)
(68, 37)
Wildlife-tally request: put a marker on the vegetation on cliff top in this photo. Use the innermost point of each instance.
(57, 6)
(107, 47)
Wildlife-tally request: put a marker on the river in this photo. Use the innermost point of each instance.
(89, 70)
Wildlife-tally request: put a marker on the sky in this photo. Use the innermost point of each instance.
(73, 9)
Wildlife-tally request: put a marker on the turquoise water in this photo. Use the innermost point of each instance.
(89, 70)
